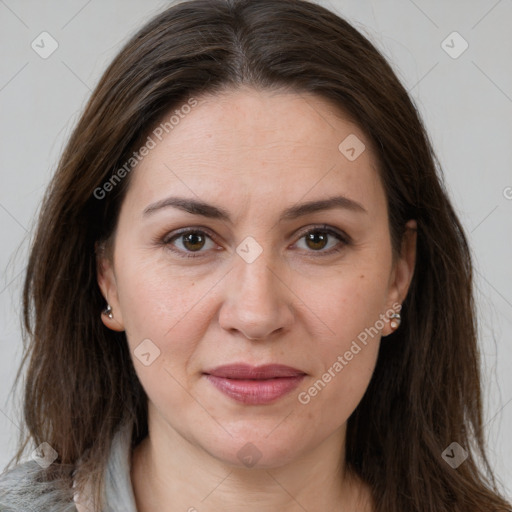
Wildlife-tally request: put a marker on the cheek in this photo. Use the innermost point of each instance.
(345, 368)
(161, 316)
(333, 395)
(155, 296)
(158, 315)
(352, 309)
(350, 303)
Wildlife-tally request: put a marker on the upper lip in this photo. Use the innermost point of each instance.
(246, 371)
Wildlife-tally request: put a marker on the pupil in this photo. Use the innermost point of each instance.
(318, 239)
(192, 240)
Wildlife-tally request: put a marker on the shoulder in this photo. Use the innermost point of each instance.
(24, 488)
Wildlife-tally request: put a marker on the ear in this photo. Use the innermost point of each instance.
(107, 283)
(403, 271)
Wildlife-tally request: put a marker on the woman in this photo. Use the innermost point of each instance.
(248, 285)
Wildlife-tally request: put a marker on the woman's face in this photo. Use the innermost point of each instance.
(287, 261)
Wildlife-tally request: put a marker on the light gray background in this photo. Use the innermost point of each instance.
(466, 104)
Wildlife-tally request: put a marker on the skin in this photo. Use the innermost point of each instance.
(254, 154)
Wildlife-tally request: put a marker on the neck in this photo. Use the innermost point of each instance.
(171, 474)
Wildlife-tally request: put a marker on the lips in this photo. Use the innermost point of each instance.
(246, 371)
(255, 385)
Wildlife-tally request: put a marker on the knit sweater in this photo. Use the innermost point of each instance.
(21, 490)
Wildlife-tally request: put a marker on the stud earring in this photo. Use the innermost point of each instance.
(396, 322)
(108, 311)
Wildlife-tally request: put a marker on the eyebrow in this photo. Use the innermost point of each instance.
(197, 207)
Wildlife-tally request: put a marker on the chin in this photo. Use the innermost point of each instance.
(252, 447)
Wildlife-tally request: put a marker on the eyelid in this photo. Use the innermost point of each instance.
(328, 229)
(183, 231)
(167, 238)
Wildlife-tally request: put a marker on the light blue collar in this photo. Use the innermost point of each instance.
(118, 487)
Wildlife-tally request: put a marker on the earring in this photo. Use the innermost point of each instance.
(395, 323)
(108, 311)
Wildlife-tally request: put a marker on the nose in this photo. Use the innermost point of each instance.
(257, 300)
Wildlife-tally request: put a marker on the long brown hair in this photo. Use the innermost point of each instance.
(425, 392)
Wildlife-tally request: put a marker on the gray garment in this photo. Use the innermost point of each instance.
(20, 490)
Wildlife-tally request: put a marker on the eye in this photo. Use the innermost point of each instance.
(320, 237)
(189, 241)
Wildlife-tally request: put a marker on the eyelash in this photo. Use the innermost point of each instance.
(169, 238)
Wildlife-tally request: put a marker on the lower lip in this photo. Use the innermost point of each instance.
(255, 392)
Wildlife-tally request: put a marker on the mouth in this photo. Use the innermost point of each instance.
(255, 385)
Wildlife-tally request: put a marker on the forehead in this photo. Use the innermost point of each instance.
(258, 146)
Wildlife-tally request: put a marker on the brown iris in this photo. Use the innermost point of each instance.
(316, 239)
(193, 241)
